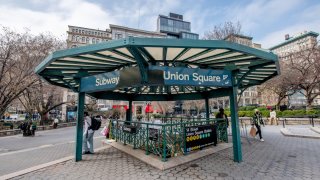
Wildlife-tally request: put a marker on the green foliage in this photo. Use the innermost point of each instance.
(286, 113)
(157, 115)
(247, 108)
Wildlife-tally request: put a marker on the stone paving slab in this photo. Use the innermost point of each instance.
(300, 132)
(279, 157)
(156, 161)
(315, 129)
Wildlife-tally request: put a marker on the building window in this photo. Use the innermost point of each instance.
(87, 41)
(118, 36)
(83, 39)
(93, 40)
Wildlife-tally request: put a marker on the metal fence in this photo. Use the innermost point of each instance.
(165, 139)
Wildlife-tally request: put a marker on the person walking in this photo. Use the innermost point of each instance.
(87, 135)
(257, 121)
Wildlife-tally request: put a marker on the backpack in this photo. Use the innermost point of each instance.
(95, 123)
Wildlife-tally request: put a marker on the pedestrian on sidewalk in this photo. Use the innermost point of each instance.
(87, 135)
(33, 128)
(222, 115)
(257, 121)
(273, 117)
(55, 123)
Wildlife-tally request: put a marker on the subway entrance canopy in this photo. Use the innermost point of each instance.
(154, 69)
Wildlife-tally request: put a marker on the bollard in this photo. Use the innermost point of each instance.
(312, 121)
(283, 123)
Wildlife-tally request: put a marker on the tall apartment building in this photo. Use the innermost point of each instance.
(175, 27)
(301, 41)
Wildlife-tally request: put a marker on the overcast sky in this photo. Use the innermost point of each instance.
(267, 21)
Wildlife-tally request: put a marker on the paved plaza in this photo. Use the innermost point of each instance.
(279, 157)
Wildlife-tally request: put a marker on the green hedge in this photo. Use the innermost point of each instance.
(286, 113)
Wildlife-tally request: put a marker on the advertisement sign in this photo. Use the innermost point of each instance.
(198, 137)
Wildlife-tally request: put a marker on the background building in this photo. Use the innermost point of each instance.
(119, 32)
(301, 41)
(80, 36)
(174, 26)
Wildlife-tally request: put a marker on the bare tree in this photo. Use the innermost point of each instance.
(279, 86)
(222, 31)
(19, 55)
(187, 106)
(165, 106)
(43, 98)
(304, 72)
(198, 104)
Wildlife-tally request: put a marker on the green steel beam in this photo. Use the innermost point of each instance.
(230, 60)
(213, 56)
(79, 128)
(253, 68)
(95, 63)
(124, 61)
(143, 65)
(227, 58)
(180, 54)
(146, 54)
(164, 56)
(122, 54)
(198, 54)
(161, 97)
(237, 151)
(207, 107)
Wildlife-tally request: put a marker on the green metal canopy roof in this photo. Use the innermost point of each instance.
(65, 68)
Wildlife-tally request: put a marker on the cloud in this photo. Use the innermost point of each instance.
(306, 20)
(55, 18)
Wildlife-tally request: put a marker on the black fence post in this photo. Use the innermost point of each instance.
(312, 121)
(284, 122)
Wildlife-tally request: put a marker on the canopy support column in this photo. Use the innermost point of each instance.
(79, 133)
(129, 112)
(207, 107)
(237, 152)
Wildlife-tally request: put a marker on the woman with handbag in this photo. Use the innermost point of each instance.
(257, 121)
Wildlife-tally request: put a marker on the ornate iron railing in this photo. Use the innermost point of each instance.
(166, 139)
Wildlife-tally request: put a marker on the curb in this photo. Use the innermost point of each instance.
(286, 132)
(154, 160)
(315, 129)
(41, 166)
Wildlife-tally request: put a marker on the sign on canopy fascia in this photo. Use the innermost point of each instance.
(157, 76)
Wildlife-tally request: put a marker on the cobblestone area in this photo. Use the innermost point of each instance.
(279, 157)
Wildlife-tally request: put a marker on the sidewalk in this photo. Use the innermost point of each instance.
(279, 157)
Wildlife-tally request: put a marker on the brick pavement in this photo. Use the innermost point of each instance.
(279, 157)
